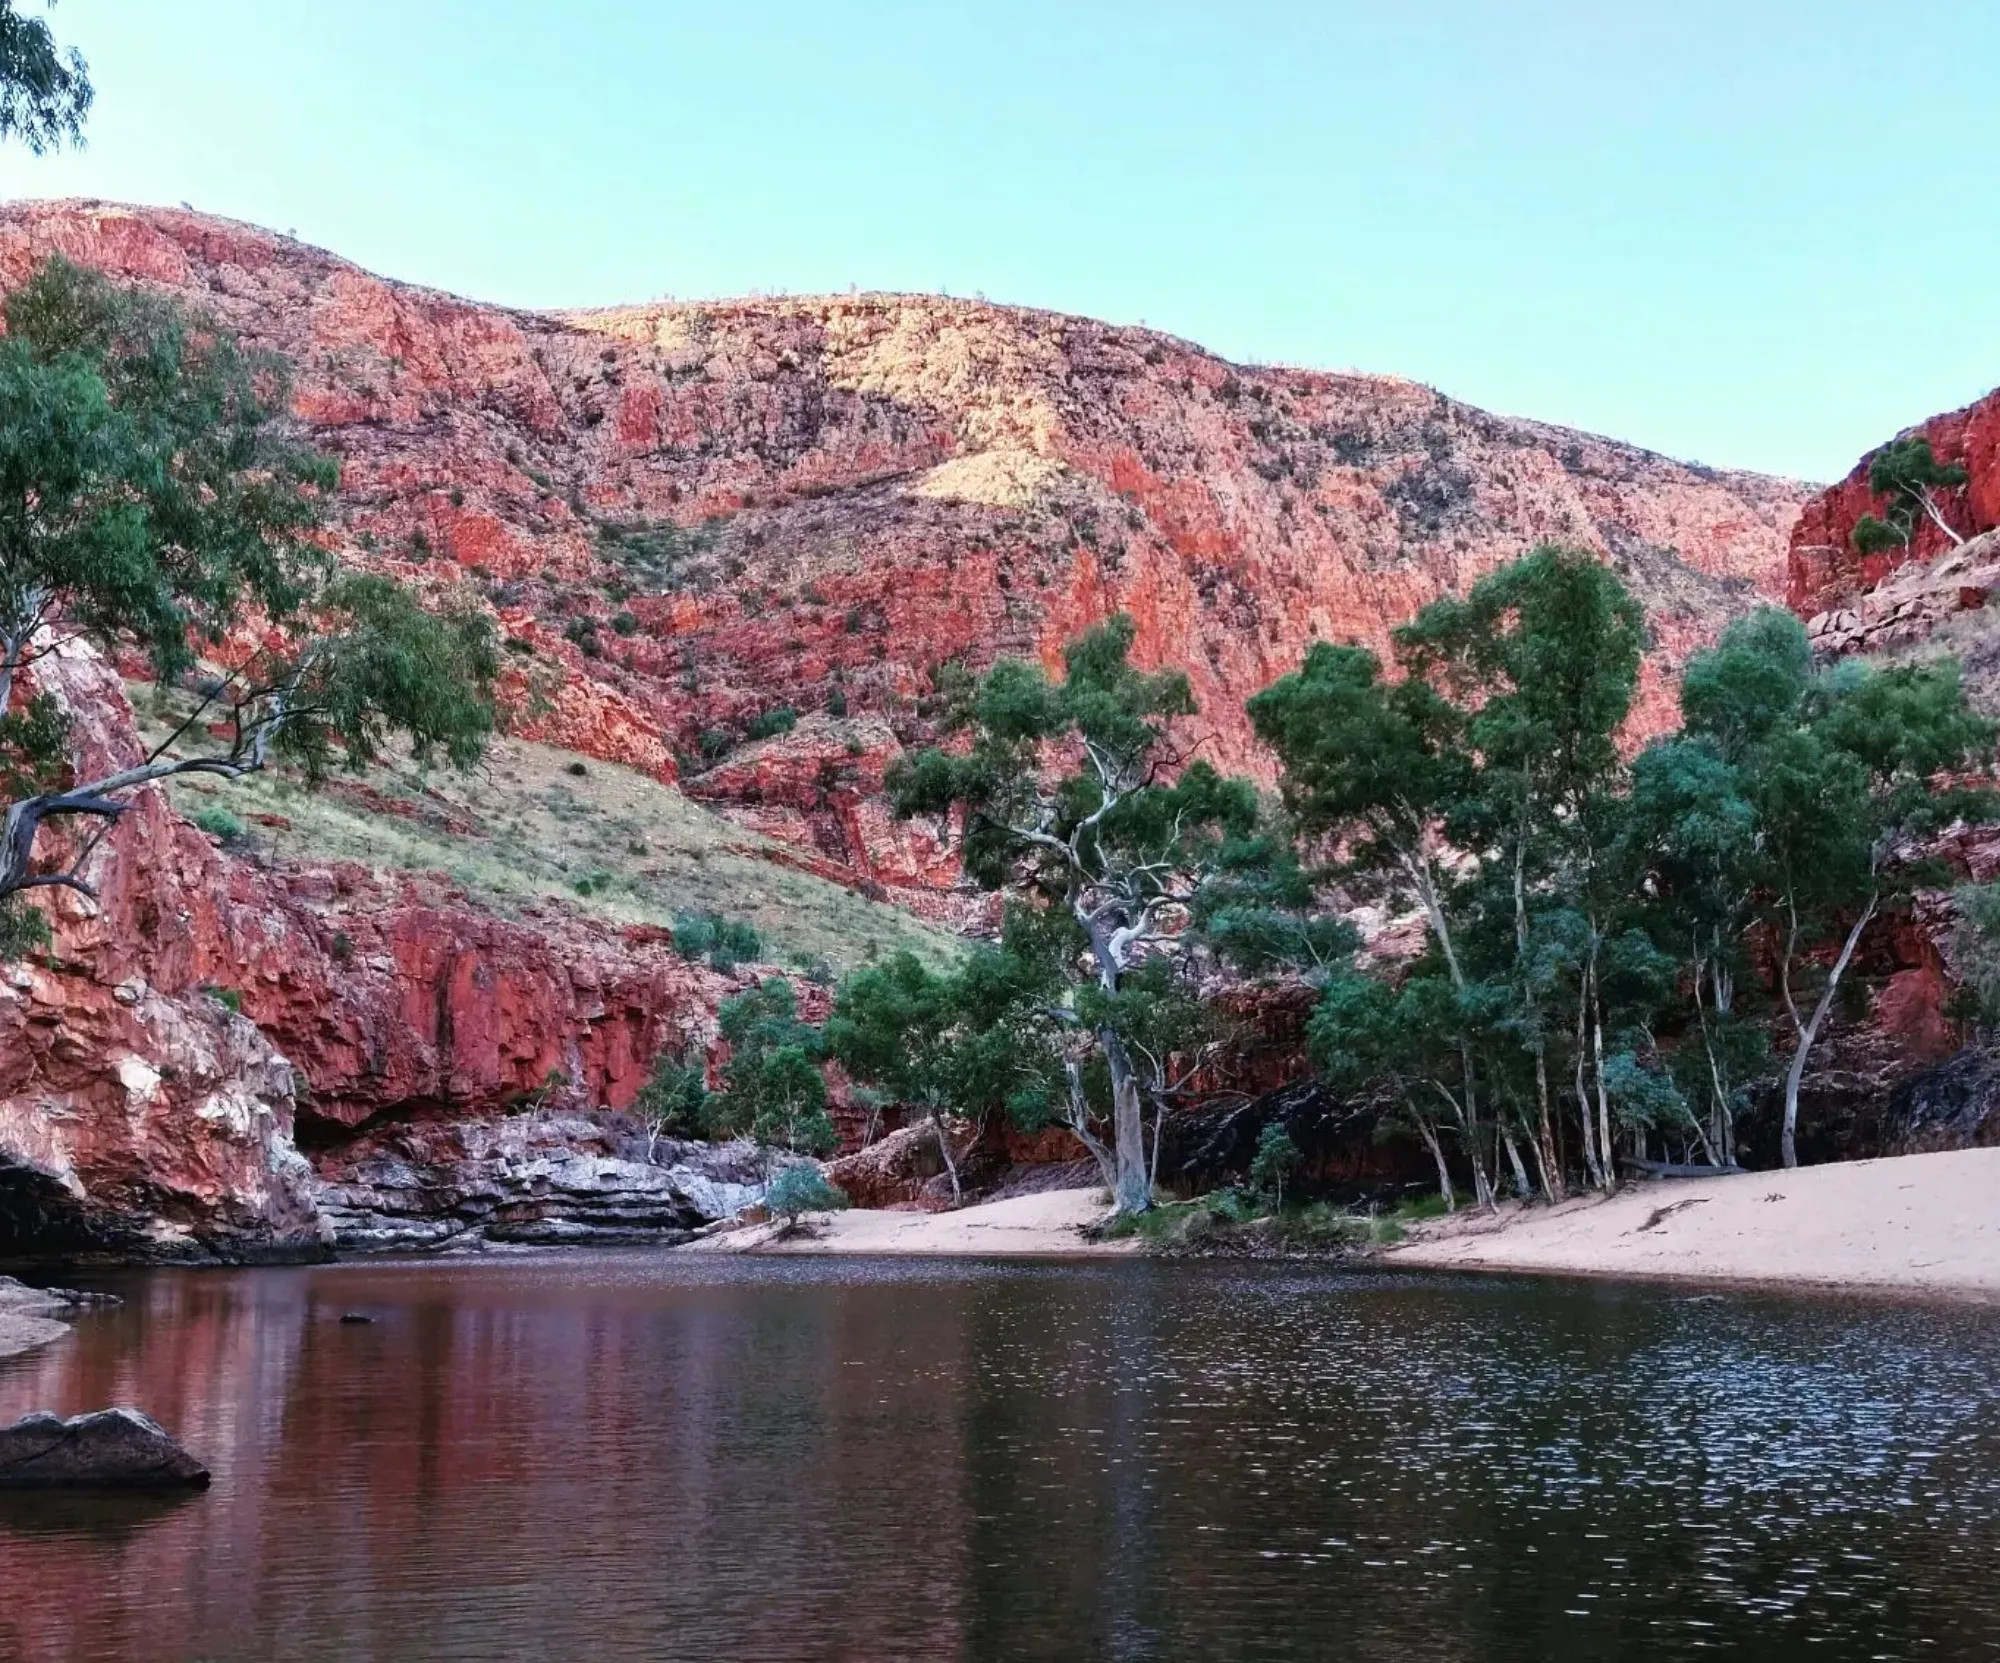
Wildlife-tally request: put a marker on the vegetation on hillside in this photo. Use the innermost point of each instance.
(153, 502)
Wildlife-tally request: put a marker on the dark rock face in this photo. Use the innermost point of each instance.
(1955, 1105)
(1346, 1158)
(114, 1449)
(539, 1180)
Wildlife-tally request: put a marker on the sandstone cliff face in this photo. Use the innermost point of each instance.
(685, 517)
(1824, 573)
(162, 1065)
(694, 514)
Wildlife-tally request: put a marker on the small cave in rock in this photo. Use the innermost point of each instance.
(40, 1218)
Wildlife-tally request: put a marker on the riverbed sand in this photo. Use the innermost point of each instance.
(1047, 1225)
(1914, 1223)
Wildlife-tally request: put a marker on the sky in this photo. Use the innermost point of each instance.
(1753, 233)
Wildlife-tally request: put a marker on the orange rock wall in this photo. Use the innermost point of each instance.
(816, 503)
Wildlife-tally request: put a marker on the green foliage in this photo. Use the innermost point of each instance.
(768, 724)
(23, 930)
(1908, 475)
(45, 92)
(1261, 911)
(675, 1100)
(1276, 1161)
(1104, 845)
(772, 1086)
(723, 942)
(1976, 950)
(218, 822)
(148, 491)
(977, 1042)
(799, 1190)
(152, 500)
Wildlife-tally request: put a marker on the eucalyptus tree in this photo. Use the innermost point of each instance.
(772, 1086)
(1841, 772)
(1544, 656)
(154, 503)
(1374, 768)
(1075, 794)
(1908, 474)
(45, 90)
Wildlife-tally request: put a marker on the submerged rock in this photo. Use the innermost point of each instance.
(113, 1449)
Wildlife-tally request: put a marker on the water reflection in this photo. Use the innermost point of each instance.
(654, 1456)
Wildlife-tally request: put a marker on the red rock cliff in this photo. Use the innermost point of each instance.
(695, 513)
(1824, 572)
(689, 515)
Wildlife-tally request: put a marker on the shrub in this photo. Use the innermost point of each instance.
(799, 1190)
(674, 1103)
(1277, 1158)
(625, 623)
(836, 703)
(768, 724)
(23, 930)
(723, 942)
(219, 823)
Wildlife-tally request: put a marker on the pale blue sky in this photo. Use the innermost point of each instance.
(1750, 232)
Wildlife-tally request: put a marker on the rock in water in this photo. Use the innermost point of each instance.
(113, 1449)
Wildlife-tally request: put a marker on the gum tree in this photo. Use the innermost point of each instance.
(153, 503)
(1074, 793)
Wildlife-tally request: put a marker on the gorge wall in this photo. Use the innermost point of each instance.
(687, 518)
(689, 515)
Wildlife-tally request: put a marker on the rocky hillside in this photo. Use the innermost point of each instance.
(732, 546)
(691, 517)
(1825, 573)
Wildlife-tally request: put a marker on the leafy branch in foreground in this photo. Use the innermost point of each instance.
(45, 92)
(152, 502)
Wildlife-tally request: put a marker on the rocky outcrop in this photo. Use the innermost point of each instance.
(113, 1449)
(689, 519)
(1826, 573)
(1912, 602)
(695, 514)
(206, 1017)
(538, 1180)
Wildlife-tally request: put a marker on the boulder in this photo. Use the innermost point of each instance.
(113, 1449)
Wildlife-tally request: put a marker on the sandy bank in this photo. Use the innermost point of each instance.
(1918, 1223)
(1048, 1225)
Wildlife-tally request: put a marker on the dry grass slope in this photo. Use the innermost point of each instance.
(527, 825)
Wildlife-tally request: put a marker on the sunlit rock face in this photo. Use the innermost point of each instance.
(1825, 573)
(690, 515)
(735, 544)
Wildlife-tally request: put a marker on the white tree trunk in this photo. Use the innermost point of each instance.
(1809, 1032)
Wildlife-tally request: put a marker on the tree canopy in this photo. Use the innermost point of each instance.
(45, 90)
(153, 499)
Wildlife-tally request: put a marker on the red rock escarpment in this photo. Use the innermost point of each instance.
(1826, 573)
(694, 513)
(155, 1063)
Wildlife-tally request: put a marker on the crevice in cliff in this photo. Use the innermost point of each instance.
(40, 1218)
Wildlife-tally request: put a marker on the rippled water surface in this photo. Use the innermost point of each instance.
(656, 1456)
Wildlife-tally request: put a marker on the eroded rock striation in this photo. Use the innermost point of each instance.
(694, 515)
(735, 544)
